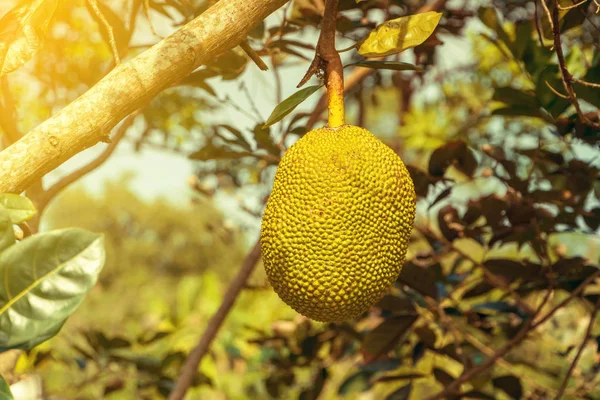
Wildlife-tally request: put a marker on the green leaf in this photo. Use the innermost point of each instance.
(515, 97)
(264, 141)
(288, 105)
(399, 34)
(19, 208)
(7, 234)
(45, 278)
(5, 393)
(392, 65)
(489, 17)
(549, 77)
(22, 32)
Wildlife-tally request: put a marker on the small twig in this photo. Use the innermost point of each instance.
(251, 101)
(253, 56)
(55, 189)
(588, 334)
(191, 365)
(537, 23)
(585, 83)
(109, 30)
(571, 7)
(556, 92)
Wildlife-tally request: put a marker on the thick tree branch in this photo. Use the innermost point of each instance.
(87, 120)
(191, 365)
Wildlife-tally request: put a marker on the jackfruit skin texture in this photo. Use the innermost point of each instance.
(336, 226)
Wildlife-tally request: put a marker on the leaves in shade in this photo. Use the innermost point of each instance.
(19, 208)
(288, 105)
(511, 385)
(5, 393)
(420, 279)
(455, 153)
(399, 34)
(442, 376)
(385, 336)
(22, 31)
(211, 151)
(391, 65)
(46, 278)
(400, 394)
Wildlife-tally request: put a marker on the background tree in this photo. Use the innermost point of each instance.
(496, 115)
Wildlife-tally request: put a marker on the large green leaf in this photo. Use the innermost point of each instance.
(399, 34)
(5, 393)
(22, 31)
(7, 234)
(288, 105)
(45, 278)
(19, 208)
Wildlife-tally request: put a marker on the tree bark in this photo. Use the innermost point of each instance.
(89, 119)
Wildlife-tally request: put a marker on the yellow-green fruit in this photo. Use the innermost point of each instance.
(336, 226)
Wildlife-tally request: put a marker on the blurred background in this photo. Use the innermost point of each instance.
(506, 171)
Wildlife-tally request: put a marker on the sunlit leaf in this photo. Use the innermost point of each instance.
(7, 235)
(22, 31)
(5, 393)
(399, 34)
(19, 208)
(288, 105)
(45, 278)
(391, 65)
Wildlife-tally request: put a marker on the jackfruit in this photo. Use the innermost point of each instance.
(336, 226)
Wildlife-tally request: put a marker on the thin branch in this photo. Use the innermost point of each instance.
(190, 368)
(467, 375)
(588, 334)
(566, 76)
(74, 176)
(109, 30)
(530, 326)
(585, 83)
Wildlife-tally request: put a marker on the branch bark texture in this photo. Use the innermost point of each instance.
(89, 119)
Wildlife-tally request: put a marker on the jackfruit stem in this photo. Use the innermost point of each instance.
(334, 75)
(327, 59)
